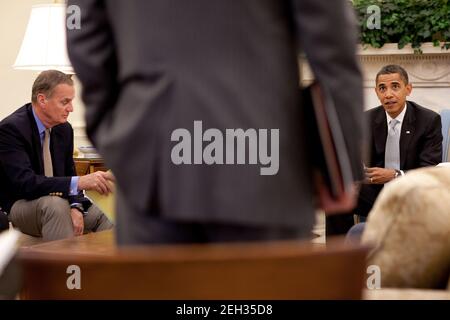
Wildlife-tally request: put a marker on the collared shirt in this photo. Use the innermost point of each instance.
(41, 129)
(400, 118)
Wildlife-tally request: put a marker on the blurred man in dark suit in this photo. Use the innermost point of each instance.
(4, 223)
(195, 72)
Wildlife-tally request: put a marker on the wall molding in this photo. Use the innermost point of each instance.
(429, 72)
(392, 49)
(431, 69)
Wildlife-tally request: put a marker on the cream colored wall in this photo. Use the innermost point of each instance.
(15, 85)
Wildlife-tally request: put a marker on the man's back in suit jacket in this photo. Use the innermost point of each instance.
(161, 65)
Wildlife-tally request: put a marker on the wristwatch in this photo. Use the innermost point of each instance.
(77, 206)
(397, 173)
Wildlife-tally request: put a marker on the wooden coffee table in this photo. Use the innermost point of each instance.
(277, 270)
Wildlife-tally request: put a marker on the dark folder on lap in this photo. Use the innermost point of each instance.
(326, 140)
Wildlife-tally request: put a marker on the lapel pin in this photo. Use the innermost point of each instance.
(408, 132)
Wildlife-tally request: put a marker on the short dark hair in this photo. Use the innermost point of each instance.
(47, 81)
(393, 68)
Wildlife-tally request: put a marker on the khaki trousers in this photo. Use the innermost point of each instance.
(49, 217)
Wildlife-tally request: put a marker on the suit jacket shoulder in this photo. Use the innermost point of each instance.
(18, 122)
(22, 123)
(376, 114)
(422, 113)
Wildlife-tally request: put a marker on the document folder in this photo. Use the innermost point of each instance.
(326, 141)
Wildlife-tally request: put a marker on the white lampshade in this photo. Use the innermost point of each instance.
(44, 45)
